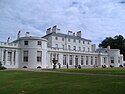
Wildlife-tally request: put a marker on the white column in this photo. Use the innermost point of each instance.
(12, 56)
(79, 60)
(89, 60)
(73, 60)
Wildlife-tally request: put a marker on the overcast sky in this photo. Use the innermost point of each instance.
(96, 19)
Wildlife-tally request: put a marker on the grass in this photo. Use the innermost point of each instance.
(119, 71)
(24, 82)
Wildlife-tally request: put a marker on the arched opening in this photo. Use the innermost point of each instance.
(39, 67)
(24, 66)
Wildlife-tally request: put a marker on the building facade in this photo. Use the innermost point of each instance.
(68, 49)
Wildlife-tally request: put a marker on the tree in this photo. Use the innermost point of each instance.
(117, 42)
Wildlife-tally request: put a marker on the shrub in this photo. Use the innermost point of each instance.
(1, 67)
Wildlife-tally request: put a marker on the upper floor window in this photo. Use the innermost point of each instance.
(62, 39)
(88, 43)
(79, 48)
(79, 41)
(74, 47)
(74, 40)
(88, 49)
(83, 48)
(56, 38)
(25, 42)
(68, 47)
(63, 46)
(68, 40)
(56, 45)
(83, 42)
(39, 43)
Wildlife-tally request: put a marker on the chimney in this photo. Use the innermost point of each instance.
(19, 34)
(27, 34)
(79, 34)
(70, 33)
(54, 29)
(48, 31)
(8, 40)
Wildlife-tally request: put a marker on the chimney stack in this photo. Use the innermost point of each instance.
(8, 40)
(48, 31)
(19, 34)
(70, 33)
(55, 29)
(79, 34)
(27, 34)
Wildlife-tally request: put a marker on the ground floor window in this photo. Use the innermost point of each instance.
(76, 60)
(112, 59)
(64, 59)
(87, 60)
(82, 60)
(39, 56)
(70, 59)
(9, 56)
(104, 59)
(91, 60)
(119, 60)
(25, 54)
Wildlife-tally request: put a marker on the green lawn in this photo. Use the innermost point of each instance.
(24, 82)
(120, 71)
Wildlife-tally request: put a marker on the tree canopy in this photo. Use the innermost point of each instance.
(117, 42)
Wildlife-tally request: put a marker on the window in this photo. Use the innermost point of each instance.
(82, 60)
(64, 59)
(14, 57)
(88, 49)
(74, 40)
(68, 47)
(88, 42)
(68, 40)
(39, 56)
(76, 60)
(56, 45)
(56, 38)
(25, 54)
(25, 42)
(91, 60)
(79, 48)
(63, 46)
(39, 43)
(87, 60)
(4, 55)
(83, 49)
(118, 59)
(95, 60)
(79, 41)
(62, 39)
(83, 42)
(74, 47)
(70, 60)
(112, 59)
(9, 56)
(104, 59)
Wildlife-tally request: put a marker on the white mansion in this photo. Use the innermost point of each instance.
(68, 49)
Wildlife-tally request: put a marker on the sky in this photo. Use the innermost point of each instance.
(97, 19)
